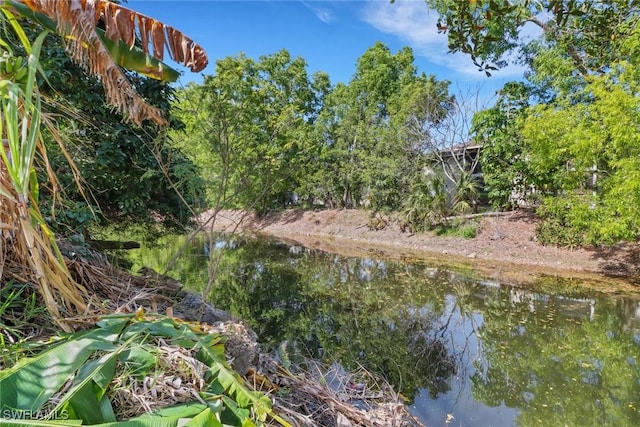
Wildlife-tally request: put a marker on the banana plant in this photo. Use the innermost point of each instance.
(72, 382)
(103, 51)
(130, 57)
(100, 51)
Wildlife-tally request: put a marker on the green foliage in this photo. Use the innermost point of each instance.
(467, 229)
(467, 193)
(19, 311)
(80, 370)
(426, 205)
(591, 147)
(570, 132)
(129, 174)
(371, 130)
(249, 128)
(505, 168)
(588, 32)
(565, 221)
(430, 204)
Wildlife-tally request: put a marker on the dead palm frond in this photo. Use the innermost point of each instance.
(98, 50)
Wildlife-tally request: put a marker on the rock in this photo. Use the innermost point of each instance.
(241, 346)
(191, 307)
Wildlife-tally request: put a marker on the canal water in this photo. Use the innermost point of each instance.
(465, 352)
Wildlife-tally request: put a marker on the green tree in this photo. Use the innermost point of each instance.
(355, 117)
(558, 134)
(587, 32)
(249, 128)
(591, 151)
(373, 129)
(504, 163)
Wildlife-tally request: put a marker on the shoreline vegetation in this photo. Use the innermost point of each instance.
(87, 343)
(503, 249)
(307, 393)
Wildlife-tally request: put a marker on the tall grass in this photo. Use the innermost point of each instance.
(26, 238)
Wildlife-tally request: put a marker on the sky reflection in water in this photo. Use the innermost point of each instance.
(469, 352)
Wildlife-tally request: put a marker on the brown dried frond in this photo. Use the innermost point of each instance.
(78, 20)
(329, 396)
(122, 24)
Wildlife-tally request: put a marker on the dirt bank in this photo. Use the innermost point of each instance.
(504, 249)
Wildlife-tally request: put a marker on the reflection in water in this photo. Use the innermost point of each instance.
(470, 352)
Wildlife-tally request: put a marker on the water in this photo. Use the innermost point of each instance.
(465, 352)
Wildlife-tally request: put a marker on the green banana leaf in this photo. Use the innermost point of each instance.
(32, 381)
(205, 418)
(133, 59)
(91, 358)
(167, 417)
(233, 384)
(87, 397)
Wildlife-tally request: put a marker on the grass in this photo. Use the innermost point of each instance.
(467, 229)
(22, 315)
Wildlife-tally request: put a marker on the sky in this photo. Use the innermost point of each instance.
(329, 35)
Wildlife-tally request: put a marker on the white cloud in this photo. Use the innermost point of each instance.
(413, 23)
(324, 14)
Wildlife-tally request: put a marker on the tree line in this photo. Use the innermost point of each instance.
(265, 133)
(563, 140)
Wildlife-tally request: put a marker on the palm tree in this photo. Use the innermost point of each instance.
(101, 36)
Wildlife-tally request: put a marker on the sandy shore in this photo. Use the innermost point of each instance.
(504, 249)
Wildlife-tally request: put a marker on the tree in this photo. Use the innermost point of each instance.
(25, 230)
(249, 128)
(369, 151)
(588, 32)
(566, 141)
(590, 151)
(504, 163)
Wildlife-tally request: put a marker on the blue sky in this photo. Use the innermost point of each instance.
(329, 35)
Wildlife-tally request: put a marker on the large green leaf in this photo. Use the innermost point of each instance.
(167, 417)
(165, 327)
(32, 381)
(232, 383)
(205, 418)
(87, 396)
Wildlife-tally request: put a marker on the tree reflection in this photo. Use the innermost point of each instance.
(356, 311)
(546, 357)
(567, 359)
